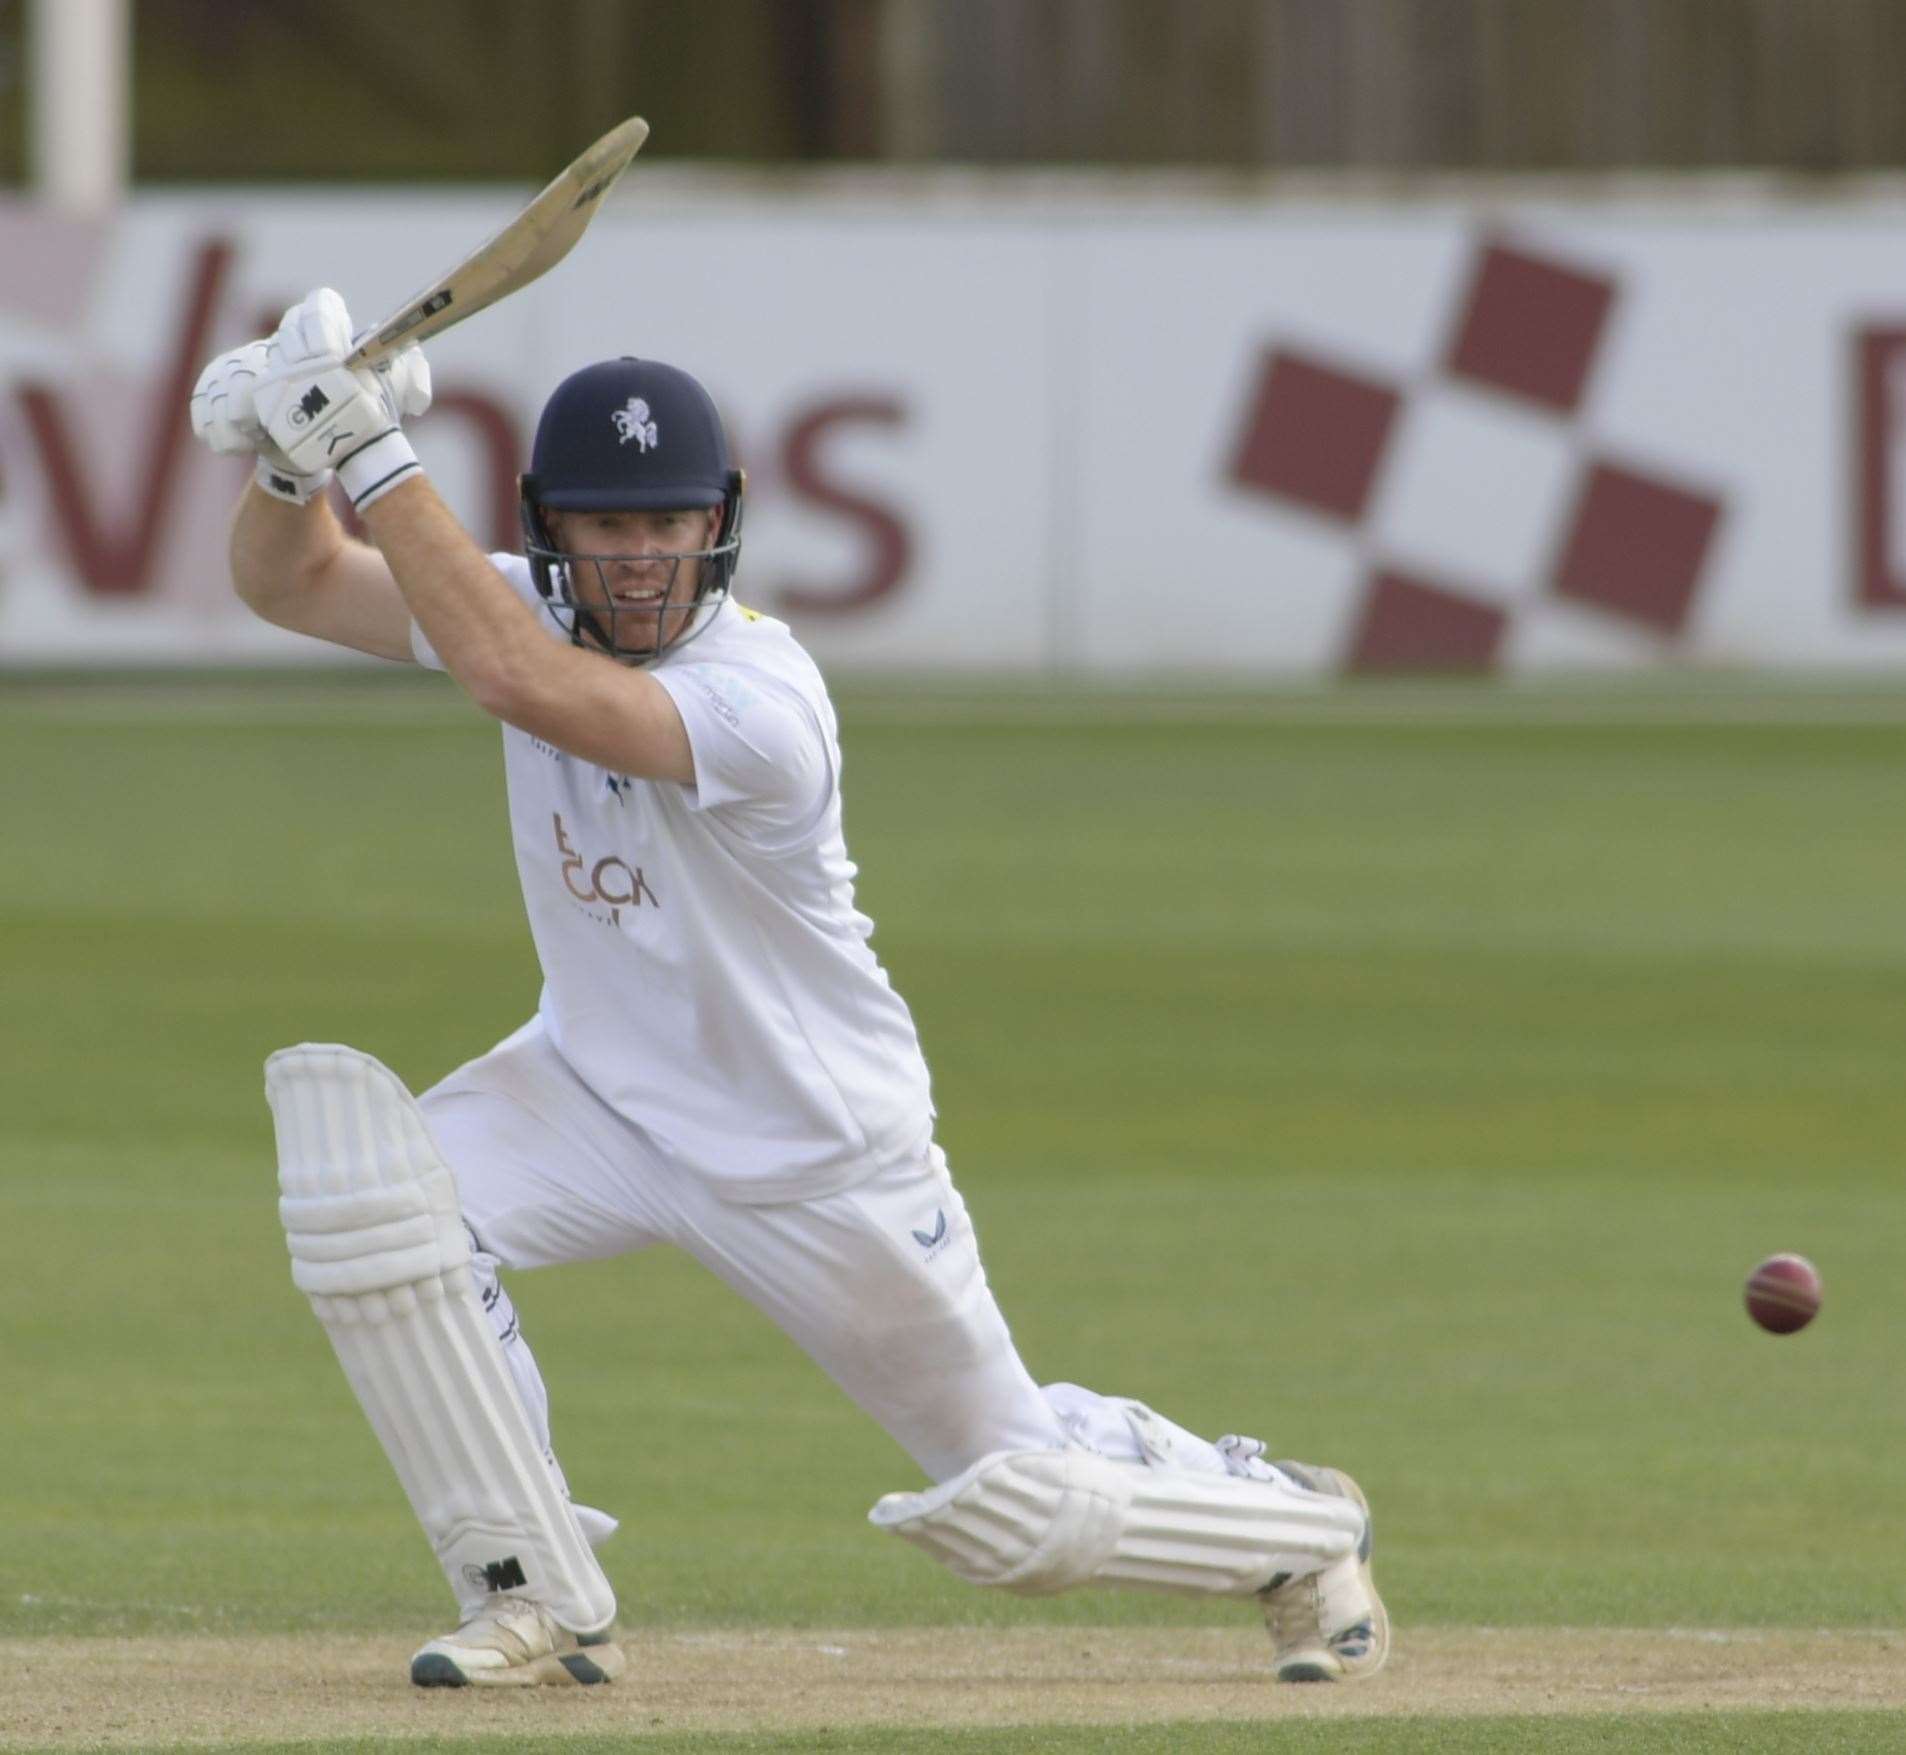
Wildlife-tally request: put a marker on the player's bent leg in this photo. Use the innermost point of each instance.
(379, 1246)
(1038, 1490)
(1153, 1507)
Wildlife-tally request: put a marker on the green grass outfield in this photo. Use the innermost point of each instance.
(1408, 1075)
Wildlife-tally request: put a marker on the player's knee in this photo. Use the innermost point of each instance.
(367, 1204)
(1033, 1522)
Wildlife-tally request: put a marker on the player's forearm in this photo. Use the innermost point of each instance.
(278, 549)
(487, 638)
(490, 641)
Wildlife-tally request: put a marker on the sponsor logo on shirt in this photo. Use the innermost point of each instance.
(719, 702)
(610, 881)
(727, 691)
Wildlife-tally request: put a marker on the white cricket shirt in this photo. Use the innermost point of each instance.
(705, 969)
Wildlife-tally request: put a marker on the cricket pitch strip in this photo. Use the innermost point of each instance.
(209, 1691)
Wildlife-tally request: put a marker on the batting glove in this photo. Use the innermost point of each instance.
(323, 415)
(224, 419)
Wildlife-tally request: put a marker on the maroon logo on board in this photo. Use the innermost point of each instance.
(1879, 366)
(123, 543)
(1631, 543)
(120, 549)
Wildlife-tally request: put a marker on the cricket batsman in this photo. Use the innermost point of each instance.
(718, 1061)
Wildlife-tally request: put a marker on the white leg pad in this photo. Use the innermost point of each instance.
(1040, 1521)
(1031, 1521)
(378, 1244)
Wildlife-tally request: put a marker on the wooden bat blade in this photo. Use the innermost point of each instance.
(530, 245)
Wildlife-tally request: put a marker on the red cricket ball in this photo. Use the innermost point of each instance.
(1783, 1293)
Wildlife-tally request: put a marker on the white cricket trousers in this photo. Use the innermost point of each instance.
(906, 1324)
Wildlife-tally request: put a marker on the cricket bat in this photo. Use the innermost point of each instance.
(528, 247)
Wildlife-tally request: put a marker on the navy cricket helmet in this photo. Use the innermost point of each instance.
(630, 435)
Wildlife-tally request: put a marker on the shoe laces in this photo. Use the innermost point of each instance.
(528, 1627)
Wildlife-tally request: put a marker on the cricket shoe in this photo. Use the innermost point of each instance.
(1329, 1626)
(517, 1644)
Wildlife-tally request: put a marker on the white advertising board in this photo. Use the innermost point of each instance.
(1099, 428)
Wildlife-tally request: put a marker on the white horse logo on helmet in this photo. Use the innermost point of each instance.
(632, 422)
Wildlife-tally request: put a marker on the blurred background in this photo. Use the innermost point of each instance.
(486, 88)
(1465, 336)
